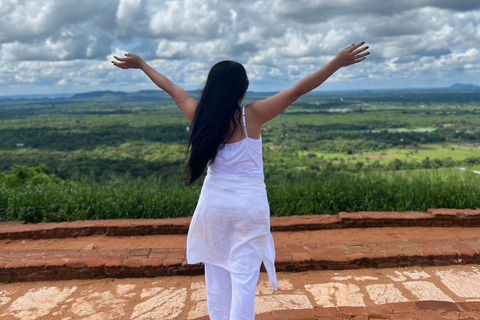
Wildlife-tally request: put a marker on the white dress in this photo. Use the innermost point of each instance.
(230, 227)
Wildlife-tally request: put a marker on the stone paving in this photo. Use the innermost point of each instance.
(449, 292)
(439, 278)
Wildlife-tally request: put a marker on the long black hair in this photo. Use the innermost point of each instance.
(217, 113)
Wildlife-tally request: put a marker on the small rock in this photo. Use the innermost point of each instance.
(24, 242)
(90, 247)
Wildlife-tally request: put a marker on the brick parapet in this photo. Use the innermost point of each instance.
(413, 310)
(139, 227)
(50, 264)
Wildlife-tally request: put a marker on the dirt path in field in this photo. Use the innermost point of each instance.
(321, 237)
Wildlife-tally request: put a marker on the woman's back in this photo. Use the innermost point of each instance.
(239, 160)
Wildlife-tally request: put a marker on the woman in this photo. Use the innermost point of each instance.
(230, 228)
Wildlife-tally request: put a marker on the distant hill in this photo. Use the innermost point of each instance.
(155, 95)
(148, 95)
(139, 95)
(36, 96)
(462, 86)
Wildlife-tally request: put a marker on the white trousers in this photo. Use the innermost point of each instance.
(230, 296)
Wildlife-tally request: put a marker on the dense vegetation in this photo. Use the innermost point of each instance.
(118, 156)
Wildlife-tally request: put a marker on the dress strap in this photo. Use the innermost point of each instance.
(244, 122)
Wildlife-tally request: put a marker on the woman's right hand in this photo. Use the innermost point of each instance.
(351, 55)
(131, 61)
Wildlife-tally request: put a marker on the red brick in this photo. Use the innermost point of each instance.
(294, 314)
(180, 222)
(75, 263)
(283, 259)
(14, 255)
(164, 250)
(96, 263)
(402, 307)
(464, 249)
(176, 250)
(336, 248)
(137, 258)
(16, 264)
(296, 248)
(357, 248)
(133, 264)
(470, 212)
(436, 305)
(405, 316)
(55, 263)
(352, 311)
(326, 312)
(390, 246)
(282, 250)
(470, 305)
(153, 263)
(33, 256)
(344, 215)
(157, 255)
(460, 213)
(36, 263)
(355, 256)
(139, 252)
(72, 255)
(430, 315)
(374, 255)
(338, 257)
(448, 251)
(431, 252)
(262, 316)
(410, 252)
(383, 308)
(90, 256)
(319, 256)
(172, 262)
(375, 247)
(301, 256)
(175, 255)
(114, 262)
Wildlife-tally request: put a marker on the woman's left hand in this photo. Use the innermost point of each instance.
(131, 61)
(351, 55)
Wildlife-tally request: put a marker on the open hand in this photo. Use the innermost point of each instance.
(352, 54)
(131, 61)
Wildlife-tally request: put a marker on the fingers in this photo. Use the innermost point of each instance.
(360, 50)
(356, 46)
(358, 60)
(120, 59)
(121, 65)
(362, 55)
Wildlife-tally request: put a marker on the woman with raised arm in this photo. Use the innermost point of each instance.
(230, 228)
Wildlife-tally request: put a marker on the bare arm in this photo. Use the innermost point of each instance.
(183, 100)
(265, 110)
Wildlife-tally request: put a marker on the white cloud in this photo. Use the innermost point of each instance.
(67, 45)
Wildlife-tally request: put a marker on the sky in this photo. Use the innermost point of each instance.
(65, 46)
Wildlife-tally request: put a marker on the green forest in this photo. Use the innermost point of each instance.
(109, 156)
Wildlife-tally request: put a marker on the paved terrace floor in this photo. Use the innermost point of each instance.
(415, 278)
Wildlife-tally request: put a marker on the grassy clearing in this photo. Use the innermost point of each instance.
(456, 152)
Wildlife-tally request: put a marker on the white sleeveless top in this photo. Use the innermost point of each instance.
(240, 160)
(231, 223)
